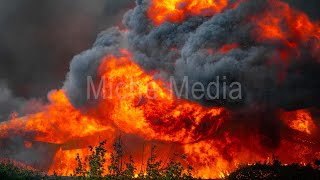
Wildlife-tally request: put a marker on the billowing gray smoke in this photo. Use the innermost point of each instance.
(181, 49)
(87, 63)
(11, 105)
(8, 102)
(39, 38)
(185, 50)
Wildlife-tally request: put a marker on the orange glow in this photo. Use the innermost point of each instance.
(132, 110)
(58, 123)
(300, 120)
(290, 29)
(228, 47)
(206, 153)
(136, 103)
(282, 23)
(224, 49)
(192, 127)
(27, 144)
(161, 11)
(64, 161)
(145, 101)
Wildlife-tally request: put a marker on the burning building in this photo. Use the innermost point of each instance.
(268, 47)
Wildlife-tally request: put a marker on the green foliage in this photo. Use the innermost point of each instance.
(172, 170)
(55, 176)
(153, 166)
(92, 167)
(115, 168)
(154, 169)
(130, 169)
(175, 170)
(95, 161)
(10, 171)
(81, 168)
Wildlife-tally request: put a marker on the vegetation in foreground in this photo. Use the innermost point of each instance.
(92, 167)
(9, 170)
(277, 170)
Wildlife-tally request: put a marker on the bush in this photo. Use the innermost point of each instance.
(95, 162)
(8, 170)
(276, 170)
(154, 170)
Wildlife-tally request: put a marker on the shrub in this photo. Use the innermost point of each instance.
(154, 169)
(95, 161)
(275, 170)
(8, 170)
(153, 166)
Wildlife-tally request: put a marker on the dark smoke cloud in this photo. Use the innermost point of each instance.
(39, 38)
(176, 49)
(12, 106)
(87, 63)
(8, 102)
(310, 7)
(182, 50)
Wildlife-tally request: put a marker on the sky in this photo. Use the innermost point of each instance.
(39, 38)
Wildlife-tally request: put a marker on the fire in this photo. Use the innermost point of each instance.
(148, 109)
(282, 23)
(228, 47)
(300, 120)
(28, 144)
(64, 161)
(163, 118)
(58, 123)
(178, 10)
(206, 153)
(135, 102)
(144, 108)
(291, 29)
(224, 49)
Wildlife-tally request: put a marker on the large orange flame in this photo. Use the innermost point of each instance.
(131, 110)
(300, 120)
(178, 10)
(163, 117)
(146, 108)
(138, 103)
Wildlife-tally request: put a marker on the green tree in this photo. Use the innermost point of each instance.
(153, 166)
(95, 160)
